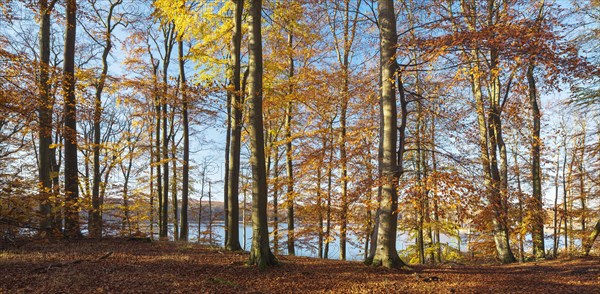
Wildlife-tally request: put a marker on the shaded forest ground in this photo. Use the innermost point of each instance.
(110, 266)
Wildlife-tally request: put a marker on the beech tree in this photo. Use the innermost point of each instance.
(70, 127)
(260, 253)
(385, 253)
(45, 111)
(234, 121)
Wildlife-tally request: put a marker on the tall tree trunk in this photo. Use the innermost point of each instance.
(260, 254)
(45, 110)
(72, 229)
(289, 152)
(185, 182)
(157, 152)
(200, 203)
(174, 184)
(556, 226)
(373, 244)
(151, 216)
(386, 254)
(210, 214)
(275, 196)
(565, 190)
(436, 211)
(538, 211)
(369, 201)
(95, 221)
(232, 241)
(244, 213)
(420, 202)
(581, 178)
(329, 196)
(320, 199)
(126, 171)
(226, 176)
(168, 33)
(520, 204)
(165, 168)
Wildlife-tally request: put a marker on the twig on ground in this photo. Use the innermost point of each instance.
(45, 269)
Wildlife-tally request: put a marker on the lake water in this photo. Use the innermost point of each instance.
(305, 246)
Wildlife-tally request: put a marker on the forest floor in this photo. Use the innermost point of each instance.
(120, 266)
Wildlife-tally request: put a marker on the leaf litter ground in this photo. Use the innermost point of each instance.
(120, 266)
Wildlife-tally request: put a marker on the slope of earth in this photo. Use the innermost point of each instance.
(120, 266)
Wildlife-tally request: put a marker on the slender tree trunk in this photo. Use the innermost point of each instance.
(95, 221)
(344, 52)
(232, 241)
(226, 176)
(581, 177)
(436, 211)
(556, 221)
(244, 215)
(420, 202)
(174, 185)
(328, 210)
(151, 216)
(185, 182)
(45, 110)
(54, 175)
(369, 211)
(520, 204)
(289, 152)
(126, 175)
(168, 33)
(564, 184)
(200, 203)
(70, 128)
(320, 200)
(275, 196)
(210, 214)
(165, 168)
(260, 254)
(373, 244)
(158, 153)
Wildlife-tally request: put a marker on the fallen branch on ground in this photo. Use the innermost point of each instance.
(45, 269)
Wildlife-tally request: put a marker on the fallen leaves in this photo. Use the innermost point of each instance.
(111, 266)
